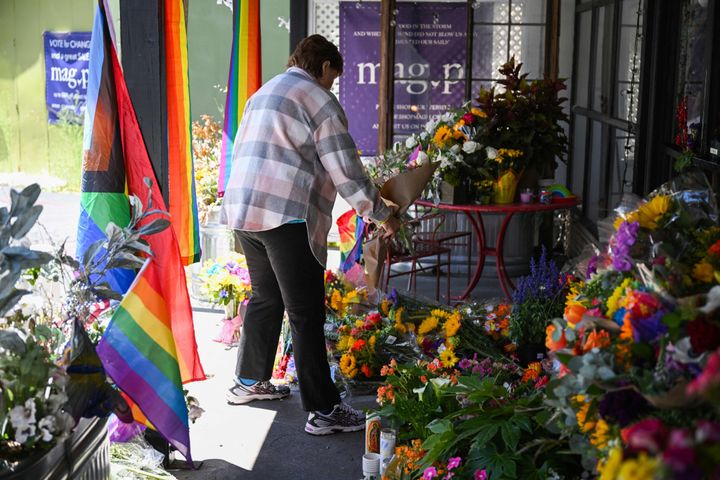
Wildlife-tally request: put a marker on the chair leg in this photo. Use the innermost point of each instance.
(448, 277)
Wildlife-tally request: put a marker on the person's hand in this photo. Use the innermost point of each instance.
(391, 226)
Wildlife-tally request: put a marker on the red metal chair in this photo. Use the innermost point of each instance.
(426, 253)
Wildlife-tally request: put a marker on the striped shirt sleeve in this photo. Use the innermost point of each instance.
(338, 154)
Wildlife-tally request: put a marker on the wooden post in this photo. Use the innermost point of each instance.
(298, 22)
(143, 59)
(386, 95)
(552, 39)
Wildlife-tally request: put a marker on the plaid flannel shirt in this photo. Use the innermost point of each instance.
(292, 155)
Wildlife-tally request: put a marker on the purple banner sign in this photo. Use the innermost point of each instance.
(66, 75)
(429, 65)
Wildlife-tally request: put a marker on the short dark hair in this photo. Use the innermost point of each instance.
(312, 52)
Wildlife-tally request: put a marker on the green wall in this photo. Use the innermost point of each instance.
(28, 144)
(209, 42)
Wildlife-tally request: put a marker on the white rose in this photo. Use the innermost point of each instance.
(470, 146)
(411, 142)
(431, 125)
(491, 153)
(421, 159)
(424, 136)
(455, 149)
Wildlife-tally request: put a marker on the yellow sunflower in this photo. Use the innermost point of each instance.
(451, 326)
(651, 212)
(348, 365)
(442, 136)
(703, 272)
(428, 325)
(336, 301)
(448, 358)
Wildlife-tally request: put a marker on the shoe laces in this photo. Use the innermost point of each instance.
(346, 410)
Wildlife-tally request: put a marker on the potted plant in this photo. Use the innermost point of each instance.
(54, 395)
(525, 116)
(537, 299)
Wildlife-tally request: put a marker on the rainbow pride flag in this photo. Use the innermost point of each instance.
(244, 78)
(157, 323)
(181, 178)
(138, 352)
(352, 230)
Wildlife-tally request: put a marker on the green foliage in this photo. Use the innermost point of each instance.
(526, 116)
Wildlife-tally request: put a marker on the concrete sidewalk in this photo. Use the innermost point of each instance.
(264, 439)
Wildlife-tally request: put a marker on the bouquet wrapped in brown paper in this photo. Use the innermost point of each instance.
(398, 193)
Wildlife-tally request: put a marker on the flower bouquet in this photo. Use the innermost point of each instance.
(206, 144)
(226, 282)
(636, 336)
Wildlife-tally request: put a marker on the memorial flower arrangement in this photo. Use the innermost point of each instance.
(537, 298)
(50, 375)
(226, 281)
(635, 347)
(342, 296)
(206, 145)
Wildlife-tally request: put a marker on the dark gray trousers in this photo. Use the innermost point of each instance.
(285, 276)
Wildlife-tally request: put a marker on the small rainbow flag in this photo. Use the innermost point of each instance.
(244, 78)
(351, 229)
(138, 352)
(181, 178)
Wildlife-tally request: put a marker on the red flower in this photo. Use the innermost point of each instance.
(715, 249)
(329, 276)
(542, 381)
(373, 318)
(358, 345)
(365, 369)
(649, 435)
(468, 118)
(704, 335)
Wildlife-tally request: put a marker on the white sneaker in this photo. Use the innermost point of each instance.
(241, 394)
(343, 418)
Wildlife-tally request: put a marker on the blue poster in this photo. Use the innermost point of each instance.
(67, 57)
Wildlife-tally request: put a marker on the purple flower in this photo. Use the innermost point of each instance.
(454, 462)
(430, 473)
(622, 243)
(465, 363)
(708, 431)
(622, 406)
(592, 266)
(480, 475)
(650, 328)
(544, 281)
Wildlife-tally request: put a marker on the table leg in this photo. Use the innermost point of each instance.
(479, 231)
(500, 259)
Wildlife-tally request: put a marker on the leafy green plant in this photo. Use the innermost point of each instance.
(526, 115)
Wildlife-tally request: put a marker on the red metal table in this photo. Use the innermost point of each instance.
(474, 214)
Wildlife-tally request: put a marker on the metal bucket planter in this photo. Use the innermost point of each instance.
(84, 455)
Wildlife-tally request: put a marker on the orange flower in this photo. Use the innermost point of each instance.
(574, 313)
(550, 343)
(358, 345)
(596, 339)
(532, 372)
(365, 369)
(423, 378)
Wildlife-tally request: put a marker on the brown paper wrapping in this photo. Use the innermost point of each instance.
(398, 193)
